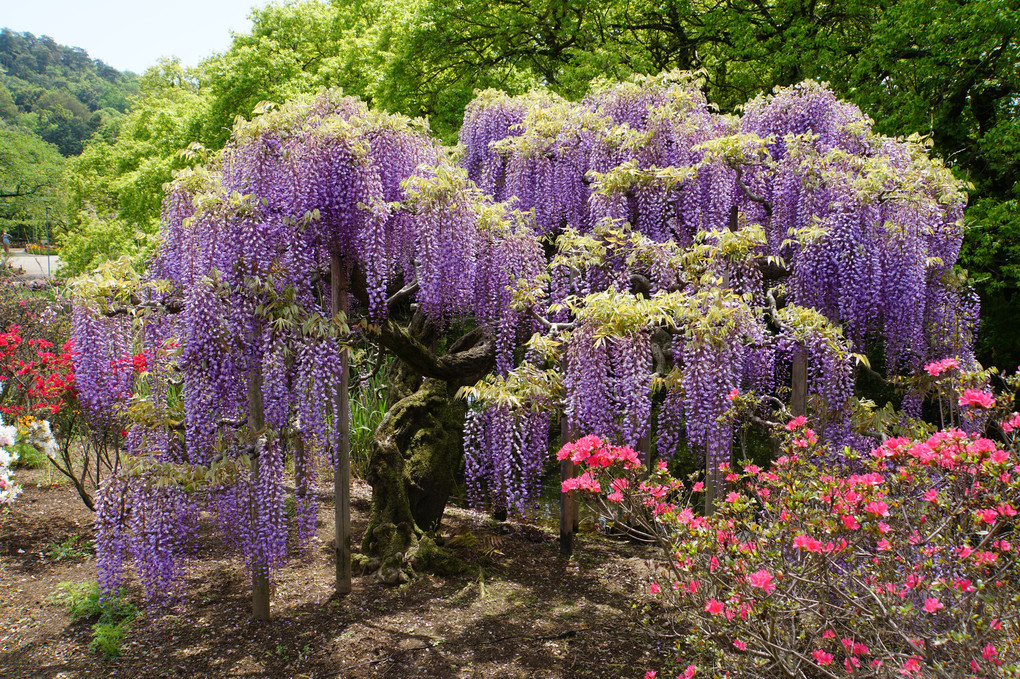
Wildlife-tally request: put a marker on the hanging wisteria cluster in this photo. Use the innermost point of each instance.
(792, 230)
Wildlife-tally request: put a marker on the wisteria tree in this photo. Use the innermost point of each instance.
(243, 323)
(635, 264)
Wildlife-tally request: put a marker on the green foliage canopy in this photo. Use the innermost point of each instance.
(29, 170)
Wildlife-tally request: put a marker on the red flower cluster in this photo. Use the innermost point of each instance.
(594, 452)
(36, 378)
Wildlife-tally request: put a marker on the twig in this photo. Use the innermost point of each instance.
(554, 327)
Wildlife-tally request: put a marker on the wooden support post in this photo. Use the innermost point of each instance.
(713, 482)
(567, 511)
(644, 449)
(342, 470)
(798, 403)
(256, 423)
(568, 505)
(575, 512)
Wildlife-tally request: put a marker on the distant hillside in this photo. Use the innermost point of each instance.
(59, 92)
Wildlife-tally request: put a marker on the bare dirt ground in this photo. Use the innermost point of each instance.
(522, 610)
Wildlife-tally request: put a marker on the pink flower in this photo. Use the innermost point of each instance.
(932, 604)
(584, 482)
(977, 399)
(821, 657)
(580, 450)
(650, 674)
(807, 543)
(798, 421)
(877, 507)
(740, 645)
(988, 515)
(931, 495)
(938, 367)
(714, 607)
(654, 588)
(689, 672)
(762, 580)
(732, 497)
(911, 668)
(733, 395)
(964, 585)
(989, 652)
(998, 456)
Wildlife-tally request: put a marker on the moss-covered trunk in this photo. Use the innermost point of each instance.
(416, 453)
(417, 449)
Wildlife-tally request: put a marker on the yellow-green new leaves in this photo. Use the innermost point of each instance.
(527, 387)
(190, 478)
(628, 176)
(735, 150)
(114, 286)
(708, 315)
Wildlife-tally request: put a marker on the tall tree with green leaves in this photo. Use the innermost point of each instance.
(303, 47)
(29, 169)
(115, 187)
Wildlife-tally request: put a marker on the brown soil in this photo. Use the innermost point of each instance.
(522, 611)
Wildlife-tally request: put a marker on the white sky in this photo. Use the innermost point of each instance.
(131, 36)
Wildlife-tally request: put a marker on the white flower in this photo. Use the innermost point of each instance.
(7, 435)
(9, 493)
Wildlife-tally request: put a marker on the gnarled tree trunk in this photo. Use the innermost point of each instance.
(417, 449)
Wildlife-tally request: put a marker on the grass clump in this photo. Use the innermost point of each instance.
(113, 617)
(29, 456)
(74, 547)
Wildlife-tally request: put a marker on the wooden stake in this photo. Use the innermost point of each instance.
(568, 506)
(256, 423)
(567, 511)
(342, 471)
(713, 482)
(798, 404)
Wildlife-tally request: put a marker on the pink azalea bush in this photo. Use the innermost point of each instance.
(963, 397)
(904, 567)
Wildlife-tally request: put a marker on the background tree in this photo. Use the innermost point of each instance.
(114, 188)
(29, 173)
